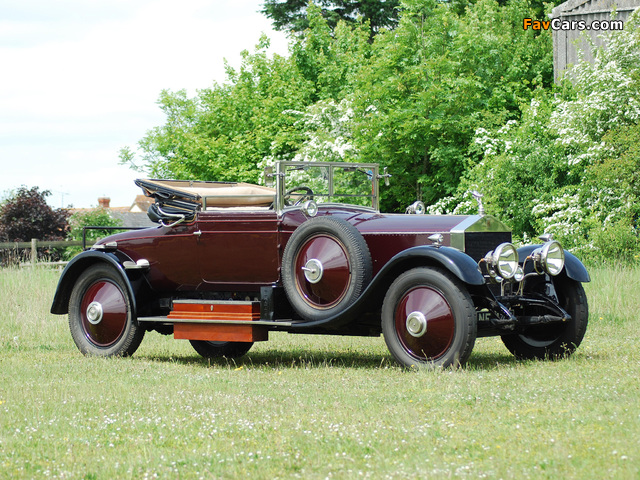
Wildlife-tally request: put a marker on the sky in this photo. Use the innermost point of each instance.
(79, 80)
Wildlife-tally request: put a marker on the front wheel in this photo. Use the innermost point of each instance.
(556, 340)
(101, 314)
(428, 319)
(220, 349)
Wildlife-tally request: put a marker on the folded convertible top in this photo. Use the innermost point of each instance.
(208, 194)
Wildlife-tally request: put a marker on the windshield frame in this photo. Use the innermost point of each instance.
(281, 182)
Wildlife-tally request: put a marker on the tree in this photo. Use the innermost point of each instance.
(291, 15)
(26, 215)
(415, 97)
(434, 80)
(98, 217)
(570, 165)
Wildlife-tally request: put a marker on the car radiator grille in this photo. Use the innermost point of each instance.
(478, 244)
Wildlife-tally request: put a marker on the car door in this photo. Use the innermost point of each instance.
(238, 248)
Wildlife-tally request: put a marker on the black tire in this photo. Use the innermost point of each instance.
(220, 349)
(554, 341)
(428, 319)
(101, 317)
(343, 267)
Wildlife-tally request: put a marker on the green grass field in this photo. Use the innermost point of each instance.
(315, 407)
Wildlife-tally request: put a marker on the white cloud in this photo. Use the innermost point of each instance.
(81, 80)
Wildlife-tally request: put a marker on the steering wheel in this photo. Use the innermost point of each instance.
(303, 191)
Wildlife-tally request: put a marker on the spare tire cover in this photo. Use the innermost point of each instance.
(325, 267)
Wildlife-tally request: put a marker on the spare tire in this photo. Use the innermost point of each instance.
(325, 267)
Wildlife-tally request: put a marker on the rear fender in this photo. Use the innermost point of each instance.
(75, 268)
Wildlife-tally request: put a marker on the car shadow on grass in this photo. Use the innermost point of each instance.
(309, 359)
(284, 359)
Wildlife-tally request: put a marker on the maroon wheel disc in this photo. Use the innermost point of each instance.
(104, 313)
(424, 323)
(322, 271)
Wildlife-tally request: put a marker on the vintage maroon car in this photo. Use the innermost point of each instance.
(230, 262)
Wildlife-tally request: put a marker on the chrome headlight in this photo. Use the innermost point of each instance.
(549, 258)
(503, 260)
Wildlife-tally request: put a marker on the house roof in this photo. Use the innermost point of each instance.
(134, 216)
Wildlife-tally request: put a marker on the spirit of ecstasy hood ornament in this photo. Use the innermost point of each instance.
(478, 196)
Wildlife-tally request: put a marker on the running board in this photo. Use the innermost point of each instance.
(217, 321)
(266, 323)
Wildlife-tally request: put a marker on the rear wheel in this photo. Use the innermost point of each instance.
(220, 349)
(556, 340)
(101, 314)
(428, 319)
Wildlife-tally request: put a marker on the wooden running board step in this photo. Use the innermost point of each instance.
(202, 320)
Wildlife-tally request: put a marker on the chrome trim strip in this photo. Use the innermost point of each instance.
(216, 302)
(442, 232)
(466, 223)
(222, 322)
(457, 232)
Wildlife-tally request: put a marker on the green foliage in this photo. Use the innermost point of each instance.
(26, 215)
(438, 77)
(417, 95)
(98, 217)
(457, 97)
(292, 15)
(570, 166)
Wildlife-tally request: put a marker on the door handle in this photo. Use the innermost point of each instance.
(197, 233)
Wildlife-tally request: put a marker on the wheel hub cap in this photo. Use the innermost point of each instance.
(416, 324)
(313, 270)
(94, 313)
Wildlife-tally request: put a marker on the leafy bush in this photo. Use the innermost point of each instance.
(92, 218)
(26, 215)
(570, 165)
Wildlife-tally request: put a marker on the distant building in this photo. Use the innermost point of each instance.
(567, 42)
(134, 216)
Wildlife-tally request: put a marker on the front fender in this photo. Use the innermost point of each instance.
(74, 269)
(573, 267)
(456, 262)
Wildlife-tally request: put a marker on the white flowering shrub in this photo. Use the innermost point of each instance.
(570, 166)
(607, 96)
(328, 129)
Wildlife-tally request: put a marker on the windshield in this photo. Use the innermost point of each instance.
(324, 182)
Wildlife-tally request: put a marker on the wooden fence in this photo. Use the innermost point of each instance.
(34, 244)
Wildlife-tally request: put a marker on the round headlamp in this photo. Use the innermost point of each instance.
(504, 260)
(551, 258)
